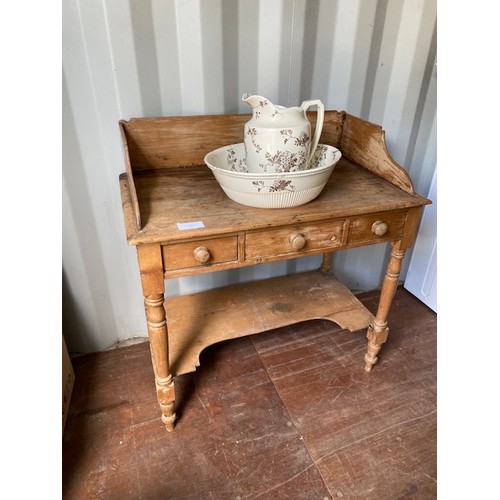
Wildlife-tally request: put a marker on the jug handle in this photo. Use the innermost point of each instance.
(319, 126)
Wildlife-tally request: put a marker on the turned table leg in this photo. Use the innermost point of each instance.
(326, 263)
(158, 341)
(153, 284)
(378, 330)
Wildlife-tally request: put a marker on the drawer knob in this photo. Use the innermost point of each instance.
(201, 255)
(297, 241)
(379, 228)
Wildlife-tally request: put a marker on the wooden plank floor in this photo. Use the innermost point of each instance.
(288, 413)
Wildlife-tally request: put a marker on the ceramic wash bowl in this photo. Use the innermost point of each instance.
(270, 189)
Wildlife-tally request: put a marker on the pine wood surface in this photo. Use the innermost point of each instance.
(198, 320)
(183, 141)
(325, 237)
(364, 143)
(184, 255)
(167, 197)
(180, 141)
(287, 413)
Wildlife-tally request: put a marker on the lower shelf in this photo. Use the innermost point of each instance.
(198, 320)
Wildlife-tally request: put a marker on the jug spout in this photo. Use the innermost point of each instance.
(260, 105)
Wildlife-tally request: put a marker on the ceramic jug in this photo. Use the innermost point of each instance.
(278, 139)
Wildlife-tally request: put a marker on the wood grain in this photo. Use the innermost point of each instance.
(181, 141)
(364, 143)
(153, 286)
(134, 202)
(166, 197)
(202, 319)
(361, 228)
(378, 331)
(317, 237)
(182, 255)
(151, 269)
(169, 142)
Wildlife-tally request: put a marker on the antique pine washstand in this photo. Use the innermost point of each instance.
(183, 224)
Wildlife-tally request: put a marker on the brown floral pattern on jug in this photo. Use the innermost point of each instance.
(252, 132)
(301, 140)
(284, 161)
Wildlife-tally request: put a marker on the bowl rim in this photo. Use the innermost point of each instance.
(268, 175)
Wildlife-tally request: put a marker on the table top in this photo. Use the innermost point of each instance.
(191, 194)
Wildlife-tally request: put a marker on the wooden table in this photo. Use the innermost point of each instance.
(368, 199)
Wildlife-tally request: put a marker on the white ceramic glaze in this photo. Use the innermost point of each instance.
(278, 139)
(270, 189)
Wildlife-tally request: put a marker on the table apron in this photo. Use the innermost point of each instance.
(249, 248)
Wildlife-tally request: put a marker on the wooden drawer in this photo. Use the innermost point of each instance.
(200, 253)
(376, 228)
(295, 240)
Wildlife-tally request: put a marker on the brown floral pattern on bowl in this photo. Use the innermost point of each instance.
(277, 185)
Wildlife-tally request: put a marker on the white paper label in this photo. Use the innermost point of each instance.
(190, 225)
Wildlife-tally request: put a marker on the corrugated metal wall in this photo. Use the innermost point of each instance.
(138, 58)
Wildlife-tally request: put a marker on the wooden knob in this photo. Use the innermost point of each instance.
(297, 241)
(379, 228)
(201, 255)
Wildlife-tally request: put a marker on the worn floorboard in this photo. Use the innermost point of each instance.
(288, 413)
